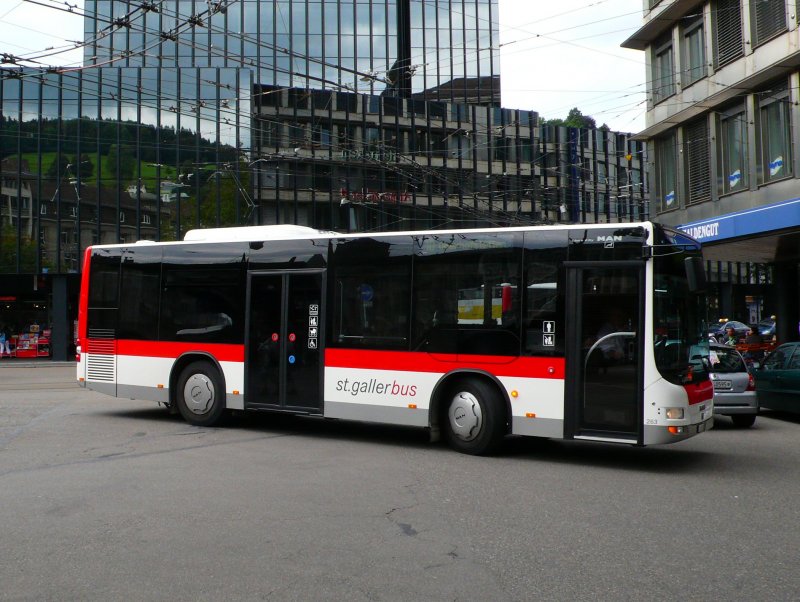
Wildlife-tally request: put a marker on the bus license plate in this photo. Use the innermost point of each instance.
(722, 384)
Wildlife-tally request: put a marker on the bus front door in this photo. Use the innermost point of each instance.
(604, 352)
(283, 345)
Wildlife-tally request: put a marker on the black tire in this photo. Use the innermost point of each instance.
(473, 417)
(200, 394)
(743, 421)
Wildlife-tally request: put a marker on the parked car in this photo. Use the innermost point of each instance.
(766, 328)
(717, 331)
(734, 387)
(778, 379)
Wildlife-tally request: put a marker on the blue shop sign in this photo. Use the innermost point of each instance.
(758, 220)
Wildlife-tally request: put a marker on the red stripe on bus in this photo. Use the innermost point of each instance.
(529, 367)
(83, 301)
(699, 392)
(221, 352)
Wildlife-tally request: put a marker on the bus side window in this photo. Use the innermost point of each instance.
(466, 294)
(139, 283)
(371, 285)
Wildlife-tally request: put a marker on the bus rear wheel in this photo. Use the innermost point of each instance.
(474, 419)
(200, 394)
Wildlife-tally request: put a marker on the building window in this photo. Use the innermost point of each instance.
(774, 135)
(43, 209)
(666, 180)
(146, 220)
(694, 51)
(698, 172)
(121, 217)
(733, 150)
(271, 134)
(768, 18)
(727, 19)
(663, 70)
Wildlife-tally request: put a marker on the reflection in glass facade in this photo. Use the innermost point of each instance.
(353, 115)
(117, 155)
(439, 49)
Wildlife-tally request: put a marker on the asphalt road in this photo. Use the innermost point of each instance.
(106, 499)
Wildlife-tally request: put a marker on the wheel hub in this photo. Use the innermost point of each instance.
(465, 416)
(198, 392)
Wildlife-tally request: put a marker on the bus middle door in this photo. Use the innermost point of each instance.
(603, 392)
(284, 339)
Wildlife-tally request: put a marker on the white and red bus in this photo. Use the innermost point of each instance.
(577, 332)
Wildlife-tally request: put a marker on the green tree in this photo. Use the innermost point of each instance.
(230, 196)
(575, 119)
(58, 167)
(8, 252)
(121, 161)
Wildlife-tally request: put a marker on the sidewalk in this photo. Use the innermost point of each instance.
(10, 362)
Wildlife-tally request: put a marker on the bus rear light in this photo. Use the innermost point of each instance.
(81, 379)
(530, 415)
(160, 386)
(235, 391)
(676, 430)
(675, 413)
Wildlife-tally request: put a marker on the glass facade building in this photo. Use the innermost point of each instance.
(348, 115)
(439, 49)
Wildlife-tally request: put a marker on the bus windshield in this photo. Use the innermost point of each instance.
(681, 349)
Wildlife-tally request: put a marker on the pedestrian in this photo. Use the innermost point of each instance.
(753, 336)
(5, 347)
(730, 336)
(753, 340)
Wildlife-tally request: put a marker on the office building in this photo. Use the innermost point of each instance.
(721, 132)
(348, 115)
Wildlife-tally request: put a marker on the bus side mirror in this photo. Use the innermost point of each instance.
(695, 274)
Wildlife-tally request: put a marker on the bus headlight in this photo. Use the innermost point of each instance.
(675, 413)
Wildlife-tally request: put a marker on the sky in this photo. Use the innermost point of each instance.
(553, 56)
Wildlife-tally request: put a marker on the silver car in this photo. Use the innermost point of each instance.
(734, 387)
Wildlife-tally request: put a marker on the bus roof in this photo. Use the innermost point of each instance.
(248, 233)
(293, 232)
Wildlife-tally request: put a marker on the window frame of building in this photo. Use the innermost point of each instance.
(693, 55)
(727, 31)
(767, 20)
(666, 172)
(733, 150)
(663, 69)
(774, 134)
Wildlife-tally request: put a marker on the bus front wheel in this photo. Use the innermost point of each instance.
(200, 394)
(474, 420)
